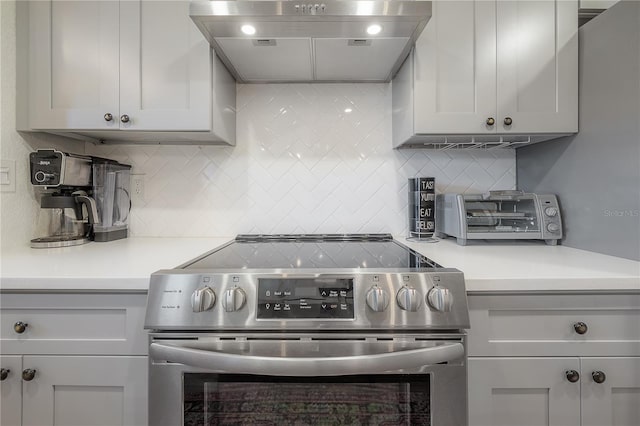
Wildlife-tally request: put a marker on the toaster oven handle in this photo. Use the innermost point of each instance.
(233, 363)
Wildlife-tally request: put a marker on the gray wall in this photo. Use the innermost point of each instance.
(596, 173)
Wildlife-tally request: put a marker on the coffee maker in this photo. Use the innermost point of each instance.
(82, 198)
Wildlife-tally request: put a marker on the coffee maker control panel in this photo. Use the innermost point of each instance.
(51, 168)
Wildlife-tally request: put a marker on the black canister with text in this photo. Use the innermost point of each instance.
(422, 199)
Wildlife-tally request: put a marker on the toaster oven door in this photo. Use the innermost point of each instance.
(518, 215)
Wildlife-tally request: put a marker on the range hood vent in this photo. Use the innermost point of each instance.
(331, 41)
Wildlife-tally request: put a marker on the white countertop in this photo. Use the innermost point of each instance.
(531, 266)
(116, 265)
(126, 265)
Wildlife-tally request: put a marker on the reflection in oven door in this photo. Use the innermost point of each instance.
(211, 399)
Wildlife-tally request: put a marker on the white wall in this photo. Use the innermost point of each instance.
(301, 164)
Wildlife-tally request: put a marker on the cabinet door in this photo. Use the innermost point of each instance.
(11, 391)
(85, 391)
(455, 68)
(73, 64)
(616, 401)
(165, 64)
(537, 67)
(523, 391)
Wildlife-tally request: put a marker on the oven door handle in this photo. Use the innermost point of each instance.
(233, 363)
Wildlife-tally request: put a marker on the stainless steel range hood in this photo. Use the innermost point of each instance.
(290, 41)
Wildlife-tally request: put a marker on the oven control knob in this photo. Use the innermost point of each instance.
(233, 299)
(409, 299)
(553, 227)
(440, 299)
(551, 211)
(377, 299)
(203, 299)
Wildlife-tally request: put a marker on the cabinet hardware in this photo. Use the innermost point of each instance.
(598, 376)
(580, 327)
(508, 121)
(28, 374)
(108, 117)
(4, 373)
(572, 375)
(124, 118)
(491, 121)
(20, 327)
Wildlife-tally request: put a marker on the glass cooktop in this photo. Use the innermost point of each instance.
(325, 251)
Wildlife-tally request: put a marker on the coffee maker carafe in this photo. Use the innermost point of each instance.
(66, 211)
(111, 191)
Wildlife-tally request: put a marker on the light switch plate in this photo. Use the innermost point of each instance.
(7, 175)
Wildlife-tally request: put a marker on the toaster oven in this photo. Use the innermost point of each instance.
(503, 215)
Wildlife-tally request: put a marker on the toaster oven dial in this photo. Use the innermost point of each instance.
(409, 299)
(203, 299)
(233, 299)
(553, 227)
(377, 299)
(551, 211)
(440, 299)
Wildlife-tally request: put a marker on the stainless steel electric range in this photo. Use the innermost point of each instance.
(308, 330)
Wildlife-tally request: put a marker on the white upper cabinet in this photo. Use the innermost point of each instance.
(127, 70)
(484, 68)
(455, 69)
(537, 66)
(73, 64)
(164, 67)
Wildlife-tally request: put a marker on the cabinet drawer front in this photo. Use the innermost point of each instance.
(549, 325)
(73, 324)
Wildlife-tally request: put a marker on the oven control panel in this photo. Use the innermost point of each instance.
(305, 298)
(294, 300)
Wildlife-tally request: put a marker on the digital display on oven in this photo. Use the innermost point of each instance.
(305, 298)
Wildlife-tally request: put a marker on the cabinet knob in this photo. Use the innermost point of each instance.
(598, 376)
(4, 373)
(572, 375)
(491, 121)
(124, 118)
(108, 117)
(20, 327)
(580, 327)
(28, 374)
(508, 121)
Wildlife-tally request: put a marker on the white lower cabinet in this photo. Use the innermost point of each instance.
(523, 392)
(554, 359)
(616, 400)
(73, 359)
(85, 391)
(11, 390)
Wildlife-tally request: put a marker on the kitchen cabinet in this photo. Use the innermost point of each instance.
(11, 390)
(73, 359)
(532, 359)
(74, 390)
(136, 71)
(490, 69)
(615, 401)
(523, 391)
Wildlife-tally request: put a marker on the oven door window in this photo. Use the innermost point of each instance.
(217, 399)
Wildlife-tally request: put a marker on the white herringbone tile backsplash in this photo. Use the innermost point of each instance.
(309, 158)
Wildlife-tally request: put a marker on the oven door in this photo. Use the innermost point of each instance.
(216, 380)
